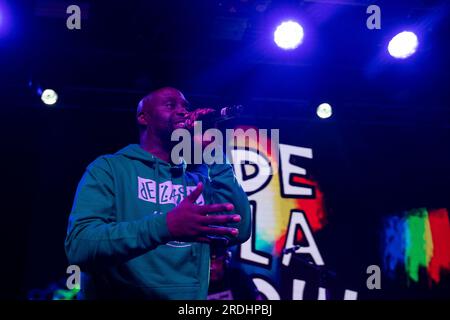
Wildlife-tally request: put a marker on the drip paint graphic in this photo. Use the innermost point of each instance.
(417, 239)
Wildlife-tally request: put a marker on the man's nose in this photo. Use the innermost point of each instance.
(181, 111)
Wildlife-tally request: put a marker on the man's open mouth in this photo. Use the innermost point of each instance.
(180, 124)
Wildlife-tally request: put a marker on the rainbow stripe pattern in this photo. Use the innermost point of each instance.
(414, 240)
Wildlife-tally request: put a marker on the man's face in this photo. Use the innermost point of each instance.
(166, 111)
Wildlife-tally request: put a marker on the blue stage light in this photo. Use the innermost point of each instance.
(403, 45)
(288, 35)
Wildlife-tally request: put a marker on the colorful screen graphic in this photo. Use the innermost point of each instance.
(414, 240)
(288, 209)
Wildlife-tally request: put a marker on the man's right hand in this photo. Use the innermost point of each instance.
(191, 222)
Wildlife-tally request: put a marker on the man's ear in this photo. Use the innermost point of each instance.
(141, 119)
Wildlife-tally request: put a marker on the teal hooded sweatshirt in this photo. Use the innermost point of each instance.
(117, 232)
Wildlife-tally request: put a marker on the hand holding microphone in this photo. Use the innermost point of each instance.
(197, 115)
(212, 116)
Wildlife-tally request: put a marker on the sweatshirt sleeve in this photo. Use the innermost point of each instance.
(226, 188)
(93, 235)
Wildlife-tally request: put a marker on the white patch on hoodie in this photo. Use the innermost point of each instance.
(169, 193)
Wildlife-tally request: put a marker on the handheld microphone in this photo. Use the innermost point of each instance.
(223, 114)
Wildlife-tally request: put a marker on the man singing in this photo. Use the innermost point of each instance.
(141, 226)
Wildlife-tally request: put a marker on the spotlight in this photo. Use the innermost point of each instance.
(403, 45)
(49, 96)
(288, 35)
(5, 20)
(324, 111)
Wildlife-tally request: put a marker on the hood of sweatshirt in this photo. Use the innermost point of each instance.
(135, 151)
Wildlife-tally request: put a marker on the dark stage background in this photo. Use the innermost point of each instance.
(383, 153)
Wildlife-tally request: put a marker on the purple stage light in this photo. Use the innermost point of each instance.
(5, 22)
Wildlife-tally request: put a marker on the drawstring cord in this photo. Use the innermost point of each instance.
(157, 188)
(184, 185)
